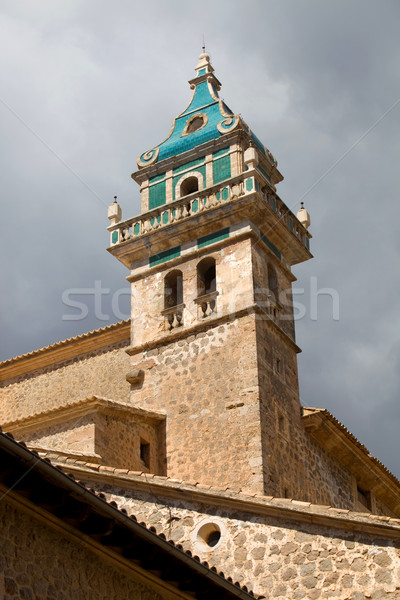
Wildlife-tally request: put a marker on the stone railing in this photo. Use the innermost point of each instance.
(192, 204)
(285, 214)
(273, 309)
(206, 305)
(173, 316)
(183, 208)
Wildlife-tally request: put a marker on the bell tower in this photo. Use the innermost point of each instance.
(212, 338)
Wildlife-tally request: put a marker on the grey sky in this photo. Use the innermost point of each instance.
(100, 82)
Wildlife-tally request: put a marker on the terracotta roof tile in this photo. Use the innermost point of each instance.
(64, 342)
(95, 400)
(243, 495)
(324, 412)
(113, 504)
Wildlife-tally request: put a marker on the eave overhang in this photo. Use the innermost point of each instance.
(369, 472)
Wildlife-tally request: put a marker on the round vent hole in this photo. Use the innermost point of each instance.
(208, 536)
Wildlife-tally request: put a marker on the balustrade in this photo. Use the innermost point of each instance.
(273, 309)
(285, 215)
(173, 316)
(198, 202)
(206, 305)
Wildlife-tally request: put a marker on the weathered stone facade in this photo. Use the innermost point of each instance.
(189, 416)
(65, 380)
(280, 549)
(38, 562)
(210, 399)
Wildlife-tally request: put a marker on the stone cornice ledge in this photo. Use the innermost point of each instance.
(65, 350)
(177, 334)
(338, 441)
(280, 508)
(75, 410)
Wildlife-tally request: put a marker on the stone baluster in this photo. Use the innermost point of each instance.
(173, 316)
(206, 305)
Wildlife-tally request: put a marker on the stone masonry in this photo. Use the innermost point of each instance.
(189, 415)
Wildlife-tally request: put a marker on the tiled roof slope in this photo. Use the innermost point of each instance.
(325, 414)
(369, 473)
(238, 498)
(84, 406)
(24, 472)
(25, 363)
(218, 120)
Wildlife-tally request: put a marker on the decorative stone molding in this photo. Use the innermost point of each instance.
(148, 158)
(202, 116)
(66, 350)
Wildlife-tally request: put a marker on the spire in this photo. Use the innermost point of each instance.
(204, 66)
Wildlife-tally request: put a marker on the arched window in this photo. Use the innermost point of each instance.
(173, 289)
(206, 278)
(188, 186)
(206, 288)
(273, 283)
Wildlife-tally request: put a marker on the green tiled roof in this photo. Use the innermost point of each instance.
(205, 104)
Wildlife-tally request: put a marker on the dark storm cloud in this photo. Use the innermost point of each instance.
(100, 83)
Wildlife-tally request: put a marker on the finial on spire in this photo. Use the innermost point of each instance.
(303, 216)
(204, 66)
(114, 215)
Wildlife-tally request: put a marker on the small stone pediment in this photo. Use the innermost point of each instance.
(113, 433)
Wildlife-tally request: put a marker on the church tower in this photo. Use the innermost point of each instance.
(212, 339)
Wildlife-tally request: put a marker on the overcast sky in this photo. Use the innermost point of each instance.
(86, 86)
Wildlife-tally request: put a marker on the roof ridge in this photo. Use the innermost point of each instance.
(88, 400)
(227, 490)
(353, 438)
(61, 343)
(6, 439)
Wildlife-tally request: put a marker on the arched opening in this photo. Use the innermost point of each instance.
(173, 289)
(206, 276)
(188, 186)
(273, 283)
(196, 123)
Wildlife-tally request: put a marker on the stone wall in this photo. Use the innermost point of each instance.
(77, 435)
(38, 563)
(208, 386)
(114, 438)
(273, 556)
(264, 265)
(295, 466)
(118, 442)
(100, 373)
(233, 283)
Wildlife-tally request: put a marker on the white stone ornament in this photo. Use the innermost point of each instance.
(304, 217)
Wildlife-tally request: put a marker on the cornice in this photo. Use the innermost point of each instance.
(183, 332)
(65, 350)
(336, 439)
(233, 499)
(78, 409)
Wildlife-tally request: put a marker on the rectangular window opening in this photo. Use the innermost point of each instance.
(281, 423)
(364, 498)
(145, 453)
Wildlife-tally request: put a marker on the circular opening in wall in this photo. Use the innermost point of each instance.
(208, 536)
